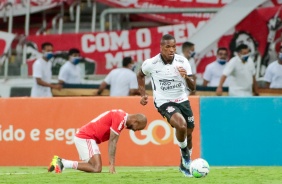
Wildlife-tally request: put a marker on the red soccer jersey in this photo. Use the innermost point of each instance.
(99, 128)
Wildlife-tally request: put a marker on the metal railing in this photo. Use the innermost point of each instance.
(44, 24)
(111, 11)
(77, 18)
(8, 7)
(59, 16)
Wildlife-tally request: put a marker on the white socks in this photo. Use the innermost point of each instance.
(68, 164)
(183, 144)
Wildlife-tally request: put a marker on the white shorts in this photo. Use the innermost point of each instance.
(86, 148)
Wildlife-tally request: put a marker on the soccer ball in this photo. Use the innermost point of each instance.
(199, 168)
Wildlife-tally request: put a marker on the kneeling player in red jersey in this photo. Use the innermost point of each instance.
(106, 127)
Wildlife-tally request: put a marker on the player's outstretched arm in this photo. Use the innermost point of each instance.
(112, 150)
(141, 87)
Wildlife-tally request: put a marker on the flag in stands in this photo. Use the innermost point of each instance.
(5, 43)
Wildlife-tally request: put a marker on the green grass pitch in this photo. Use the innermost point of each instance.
(143, 175)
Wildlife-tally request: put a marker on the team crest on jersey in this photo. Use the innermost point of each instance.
(176, 72)
(180, 60)
(170, 109)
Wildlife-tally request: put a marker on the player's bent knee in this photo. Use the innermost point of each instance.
(182, 126)
(179, 125)
(96, 169)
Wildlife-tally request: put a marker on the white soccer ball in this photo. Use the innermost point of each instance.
(199, 168)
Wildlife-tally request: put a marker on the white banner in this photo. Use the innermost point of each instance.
(6, 40)
(19, 7)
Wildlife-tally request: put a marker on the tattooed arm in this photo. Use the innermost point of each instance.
(112, 150)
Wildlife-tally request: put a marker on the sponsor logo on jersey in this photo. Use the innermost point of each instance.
(176, 100)
(168, 87)
(165, 82)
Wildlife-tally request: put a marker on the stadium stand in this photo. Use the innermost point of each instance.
(61, 17)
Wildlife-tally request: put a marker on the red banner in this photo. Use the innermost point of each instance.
(107, 49)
